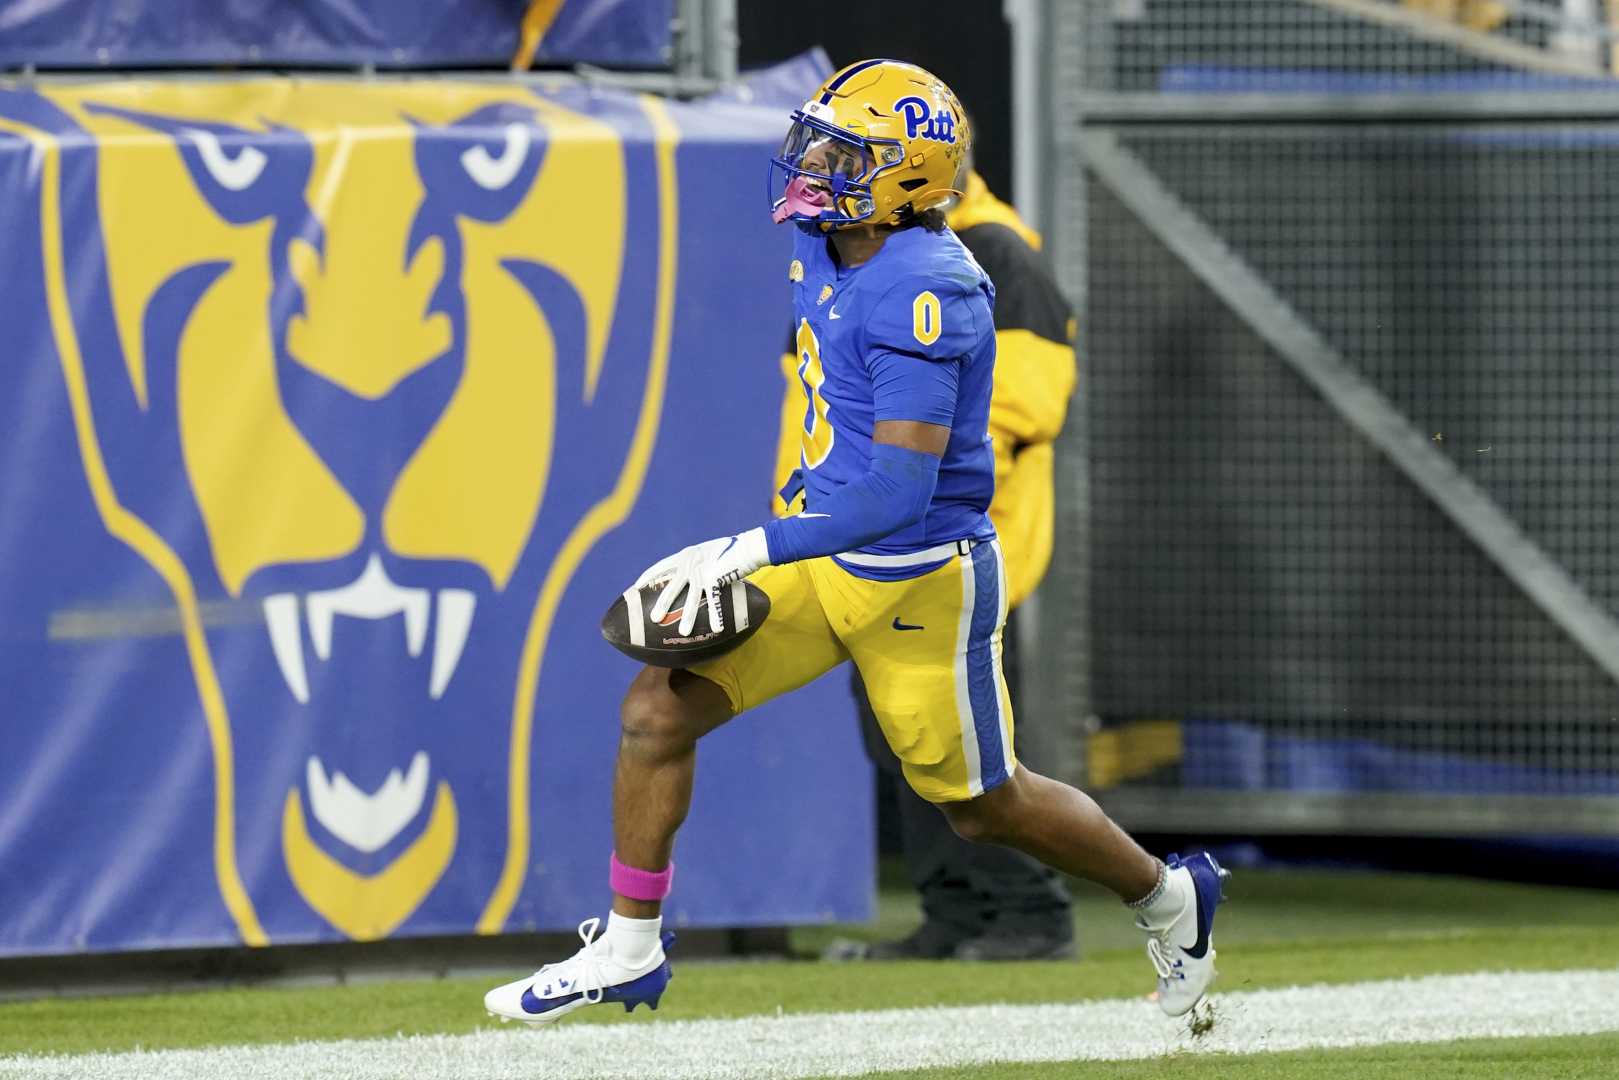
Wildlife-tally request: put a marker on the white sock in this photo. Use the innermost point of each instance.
(1171, 902)
(629, 941)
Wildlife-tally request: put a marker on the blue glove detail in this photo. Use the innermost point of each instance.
(893, 494)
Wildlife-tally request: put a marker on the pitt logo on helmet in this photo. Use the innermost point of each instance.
(939, 126)
(879, 143)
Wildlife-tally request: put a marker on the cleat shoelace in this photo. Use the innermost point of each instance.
(1158, 952)
(593, 981)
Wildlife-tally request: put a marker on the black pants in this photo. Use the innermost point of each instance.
(971, 889)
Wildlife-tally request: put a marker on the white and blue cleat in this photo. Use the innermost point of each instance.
(1182, 950)
(590, 976)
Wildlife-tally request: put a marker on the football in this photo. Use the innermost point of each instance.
(629, 627)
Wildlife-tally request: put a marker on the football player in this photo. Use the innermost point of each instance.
(893, 562)
(983, 901)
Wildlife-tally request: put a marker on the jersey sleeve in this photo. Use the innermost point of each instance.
(934, 317)
(906, 387)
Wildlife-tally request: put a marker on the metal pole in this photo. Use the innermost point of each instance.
(1058, 650)
(720, 41)
(1029, 107)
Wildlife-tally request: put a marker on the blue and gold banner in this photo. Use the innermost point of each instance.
(326, 33)
(338, 413)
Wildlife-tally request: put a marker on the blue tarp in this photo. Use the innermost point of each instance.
(337, 414)
(1240, 756)
(782, 85)
(341, 33)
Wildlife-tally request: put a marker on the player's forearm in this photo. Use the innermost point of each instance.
(892, 495)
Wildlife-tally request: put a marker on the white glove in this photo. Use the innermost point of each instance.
(699, 571)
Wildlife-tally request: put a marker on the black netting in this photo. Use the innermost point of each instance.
(1469, 274)
(1248, 45)
(1262, 574)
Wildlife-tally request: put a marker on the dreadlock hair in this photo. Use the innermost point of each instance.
(932, 220)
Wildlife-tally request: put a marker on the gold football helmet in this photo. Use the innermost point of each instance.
(880, 142)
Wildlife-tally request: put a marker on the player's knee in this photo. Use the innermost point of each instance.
(991, 818)
(974, 821)
(653, 716)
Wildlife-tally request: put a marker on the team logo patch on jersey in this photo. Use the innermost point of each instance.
(795, 271)
(922, 122)
(826, 294)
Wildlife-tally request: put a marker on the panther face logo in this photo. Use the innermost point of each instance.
(361, 373)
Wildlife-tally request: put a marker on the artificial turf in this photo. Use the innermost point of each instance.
(1280, 929)
(1571, 1057)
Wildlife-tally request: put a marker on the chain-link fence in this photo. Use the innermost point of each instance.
(1177, 46)
(1340, 508)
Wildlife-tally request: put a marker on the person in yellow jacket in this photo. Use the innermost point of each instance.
(980, 901)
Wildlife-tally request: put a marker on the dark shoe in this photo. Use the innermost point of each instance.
(930, 941)
(1004, 945)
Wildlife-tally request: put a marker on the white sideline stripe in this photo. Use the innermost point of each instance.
(1432, 1009)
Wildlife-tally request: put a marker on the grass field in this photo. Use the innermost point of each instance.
(1280, 930)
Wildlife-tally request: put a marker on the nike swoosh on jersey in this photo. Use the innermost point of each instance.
(814, 515)
(832, 312)
(905, 626)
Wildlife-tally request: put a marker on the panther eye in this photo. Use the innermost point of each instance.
(231, 173)
(493, 173)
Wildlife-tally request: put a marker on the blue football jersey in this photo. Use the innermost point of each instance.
(922, 295)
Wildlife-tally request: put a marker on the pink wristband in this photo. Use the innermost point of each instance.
(633, 884)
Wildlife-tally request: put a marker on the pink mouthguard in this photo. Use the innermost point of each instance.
(800, 198)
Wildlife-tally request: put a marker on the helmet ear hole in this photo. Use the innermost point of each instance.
(913, 184)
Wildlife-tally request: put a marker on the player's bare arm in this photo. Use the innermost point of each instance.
(912, 435)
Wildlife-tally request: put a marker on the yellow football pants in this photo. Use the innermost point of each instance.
(928, 648)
